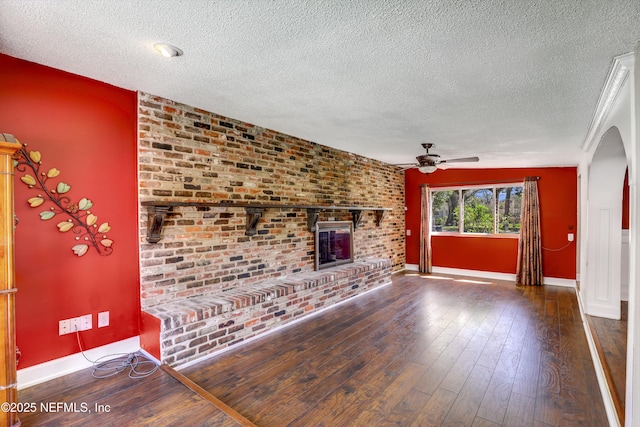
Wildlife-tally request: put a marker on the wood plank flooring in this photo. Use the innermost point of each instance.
(157, 400)
(424, 351)
(610, 337)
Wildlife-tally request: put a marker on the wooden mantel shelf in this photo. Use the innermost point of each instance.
(157, 211)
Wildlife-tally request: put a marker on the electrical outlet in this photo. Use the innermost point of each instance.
(64, 327)
(69, 326)
(86, 322)
(74, 324)
(103, 319)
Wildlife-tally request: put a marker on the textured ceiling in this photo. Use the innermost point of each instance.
(515, 83)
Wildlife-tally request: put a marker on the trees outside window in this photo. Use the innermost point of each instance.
(444, 211)
(477, 210)
(509, 204)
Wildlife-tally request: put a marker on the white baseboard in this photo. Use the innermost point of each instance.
(607, 398)
(46, 371)
(556, 281)
(149, 356)
(553, 281)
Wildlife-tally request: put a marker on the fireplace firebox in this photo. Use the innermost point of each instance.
(334, 243)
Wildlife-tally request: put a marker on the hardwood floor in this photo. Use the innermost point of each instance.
(422, 351)
(610, 338)
(157, 400)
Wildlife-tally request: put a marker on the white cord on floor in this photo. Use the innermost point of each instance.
(119, 362)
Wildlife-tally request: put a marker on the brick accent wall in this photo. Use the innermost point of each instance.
(187, 154)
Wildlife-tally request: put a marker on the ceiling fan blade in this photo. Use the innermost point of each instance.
(406, 165)
(461, 160)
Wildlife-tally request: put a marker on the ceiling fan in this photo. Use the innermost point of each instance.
(428, 163)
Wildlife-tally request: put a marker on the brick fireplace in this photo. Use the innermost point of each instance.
(187, 154)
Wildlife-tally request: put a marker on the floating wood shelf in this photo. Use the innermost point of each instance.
(158, 210)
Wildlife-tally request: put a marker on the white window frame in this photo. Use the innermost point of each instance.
(460, 189)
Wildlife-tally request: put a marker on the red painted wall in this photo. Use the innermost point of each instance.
(87, 130)
(150, 334)
(557, 190)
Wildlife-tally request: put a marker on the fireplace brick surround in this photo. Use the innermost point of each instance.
(187, 154)
(191, 328)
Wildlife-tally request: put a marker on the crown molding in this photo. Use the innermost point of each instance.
(620, 70)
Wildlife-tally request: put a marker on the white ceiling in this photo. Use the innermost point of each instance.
(513, 82)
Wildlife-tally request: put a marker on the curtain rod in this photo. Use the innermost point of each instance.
(452, 184)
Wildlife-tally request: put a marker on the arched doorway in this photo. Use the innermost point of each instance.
(607, 315)
(604, 227)
(613, 135)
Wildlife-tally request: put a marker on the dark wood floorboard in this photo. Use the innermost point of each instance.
(610, 337)
(426, 350)
(157, 400)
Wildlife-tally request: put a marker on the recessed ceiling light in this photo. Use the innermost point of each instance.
(167, 50)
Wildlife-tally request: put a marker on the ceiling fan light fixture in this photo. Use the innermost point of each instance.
(428, 168)
(430, 162)
(167, 50)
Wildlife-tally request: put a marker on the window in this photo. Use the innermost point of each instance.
(509, 204)
(477, 210)
(444, 215)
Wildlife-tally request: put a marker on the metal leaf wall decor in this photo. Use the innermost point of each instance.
(76, 216)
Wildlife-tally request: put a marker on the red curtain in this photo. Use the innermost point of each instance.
(529, 269)
(425, 229)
